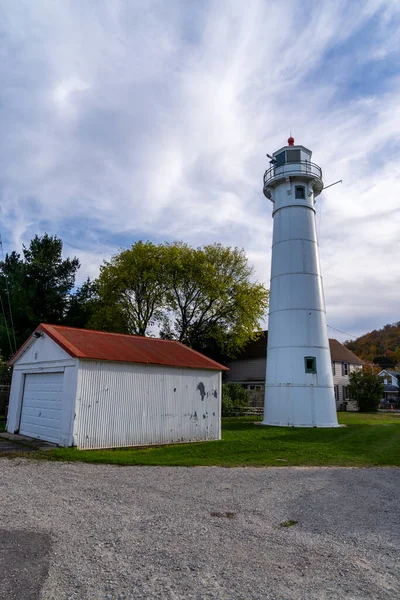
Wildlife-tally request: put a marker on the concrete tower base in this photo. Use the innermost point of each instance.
(289, 406)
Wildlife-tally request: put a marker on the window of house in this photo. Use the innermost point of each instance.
(337, 393)
(345, 368)
(333, 369)
(299, 192)
(345, 392)
(310, 364)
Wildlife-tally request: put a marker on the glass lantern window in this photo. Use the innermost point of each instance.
(280, 159)
(293, 155)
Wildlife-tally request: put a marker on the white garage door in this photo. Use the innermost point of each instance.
(41, 406)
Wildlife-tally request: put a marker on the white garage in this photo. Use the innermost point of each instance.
(91, 389)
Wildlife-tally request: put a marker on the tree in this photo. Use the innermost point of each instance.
(212, 304)
(234, 397)
(385, 362)
(50, 277)
(366, 389)
(131, 290)
(202, 297)
(37, 286)
(378, 346)
(82, 305)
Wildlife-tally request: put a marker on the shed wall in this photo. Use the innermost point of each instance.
(122, 404)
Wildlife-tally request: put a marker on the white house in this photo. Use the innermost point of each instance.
(390, 377)
(391, 381)
(92, 389)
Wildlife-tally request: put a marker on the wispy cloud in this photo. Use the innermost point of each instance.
(127, 120)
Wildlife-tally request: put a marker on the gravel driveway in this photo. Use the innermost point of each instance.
(103, 532)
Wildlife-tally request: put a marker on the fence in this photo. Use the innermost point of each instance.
(245, 411)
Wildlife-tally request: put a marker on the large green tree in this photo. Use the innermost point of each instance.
(82, 305)
(213, 304)
(131, 290)
(204, 297)
(35, 287)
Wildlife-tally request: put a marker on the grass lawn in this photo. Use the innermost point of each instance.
(367, 440)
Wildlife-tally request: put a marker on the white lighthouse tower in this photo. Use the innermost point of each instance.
(299, 384)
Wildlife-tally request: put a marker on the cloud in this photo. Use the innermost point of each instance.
(151, 120)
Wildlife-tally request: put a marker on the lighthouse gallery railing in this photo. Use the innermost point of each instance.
(303, 166)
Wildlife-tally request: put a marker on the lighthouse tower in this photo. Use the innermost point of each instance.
(299, 384)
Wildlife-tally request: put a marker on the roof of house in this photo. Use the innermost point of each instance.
(117, 347)
(394, 373)
(339, 353)
(390, 388)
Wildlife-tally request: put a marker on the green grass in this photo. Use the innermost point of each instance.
(367, 440)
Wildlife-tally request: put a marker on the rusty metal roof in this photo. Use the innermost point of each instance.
(117, 347)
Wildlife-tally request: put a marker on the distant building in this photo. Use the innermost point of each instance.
(391, 377)
(391, 382)
(250, 367)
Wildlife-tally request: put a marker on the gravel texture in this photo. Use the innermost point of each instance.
(113, 533)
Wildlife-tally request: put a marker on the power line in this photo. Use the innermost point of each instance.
(9, 304)
(6, 324)
(340, 331)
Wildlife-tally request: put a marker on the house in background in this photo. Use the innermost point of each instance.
(249, 370)
(391, 382)
(92, 389)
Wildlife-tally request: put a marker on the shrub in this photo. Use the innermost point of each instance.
(366, 389)
(234, 396)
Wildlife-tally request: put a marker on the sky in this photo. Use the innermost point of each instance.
(150, 120)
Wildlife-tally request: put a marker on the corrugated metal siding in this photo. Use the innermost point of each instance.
(250, 369)
(134, 405)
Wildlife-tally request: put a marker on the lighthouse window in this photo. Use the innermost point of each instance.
(310, 364)
(299, 192)
(293, 155)
(279, 159)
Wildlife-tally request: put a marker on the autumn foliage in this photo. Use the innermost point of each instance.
(379, 346)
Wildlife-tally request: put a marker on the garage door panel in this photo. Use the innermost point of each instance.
(50, 378)
(42, 405)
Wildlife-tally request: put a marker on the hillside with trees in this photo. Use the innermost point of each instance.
(380, 346)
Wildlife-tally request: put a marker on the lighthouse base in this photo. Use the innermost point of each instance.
(300, 406)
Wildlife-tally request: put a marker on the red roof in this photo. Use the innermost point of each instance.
(117, 347)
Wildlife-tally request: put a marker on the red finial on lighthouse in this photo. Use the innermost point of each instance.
(290, 140)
